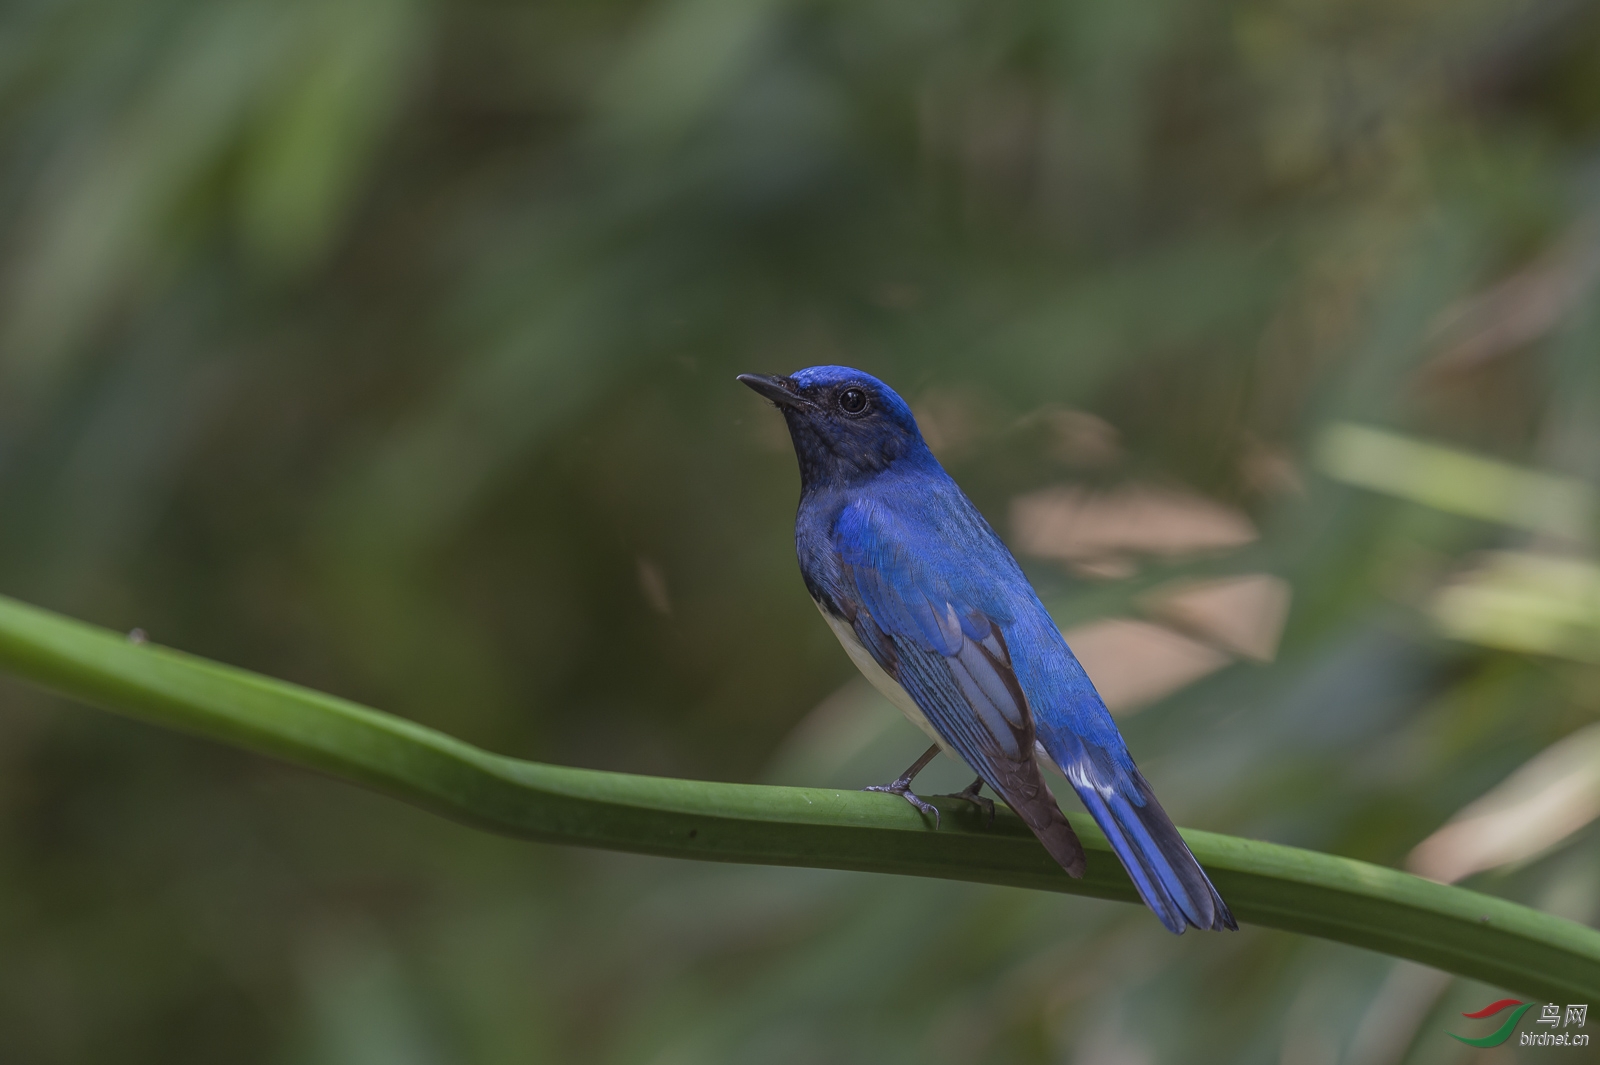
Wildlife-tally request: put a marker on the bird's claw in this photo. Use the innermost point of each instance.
(970, 794)
(902, 788)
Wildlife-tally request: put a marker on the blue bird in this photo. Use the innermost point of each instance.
(936, 613)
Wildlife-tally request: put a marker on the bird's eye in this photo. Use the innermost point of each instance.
(852, 401)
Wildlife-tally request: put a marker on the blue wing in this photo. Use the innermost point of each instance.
(975, 648)
(950, 655)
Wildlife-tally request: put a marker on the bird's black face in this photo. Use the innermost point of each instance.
(845, 424)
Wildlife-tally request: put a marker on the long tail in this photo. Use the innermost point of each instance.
(1165, 872)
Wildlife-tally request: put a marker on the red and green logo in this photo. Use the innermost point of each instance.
(1501, 1034)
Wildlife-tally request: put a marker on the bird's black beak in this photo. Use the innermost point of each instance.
(781, 390)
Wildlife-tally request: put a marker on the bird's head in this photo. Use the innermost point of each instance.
(846, 425)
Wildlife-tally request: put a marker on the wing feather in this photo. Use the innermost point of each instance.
(951, 658)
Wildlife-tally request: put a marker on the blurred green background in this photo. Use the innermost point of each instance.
(388, 347)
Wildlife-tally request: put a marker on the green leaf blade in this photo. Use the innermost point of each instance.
(1385, 910)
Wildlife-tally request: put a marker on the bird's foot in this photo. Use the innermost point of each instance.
(970, 794)
(902, 788)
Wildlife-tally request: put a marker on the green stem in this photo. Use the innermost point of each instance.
(1460, 931)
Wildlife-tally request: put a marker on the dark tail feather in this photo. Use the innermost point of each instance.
(1027, 794)
(1166, 874)
(1055, 832)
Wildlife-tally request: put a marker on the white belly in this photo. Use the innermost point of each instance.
(884, 683)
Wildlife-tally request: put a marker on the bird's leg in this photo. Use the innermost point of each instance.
(902, 785)
(970, 794)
